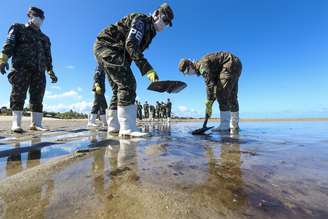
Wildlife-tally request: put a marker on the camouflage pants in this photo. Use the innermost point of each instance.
(99, 104)
(27, 79)
(121, 80)
(227, 87)
(146, 113)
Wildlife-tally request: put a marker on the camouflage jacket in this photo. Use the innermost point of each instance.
(29, 48)
(216, 66)
(125, 41)
(99, 78)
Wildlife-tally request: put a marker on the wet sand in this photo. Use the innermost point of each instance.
(269, 170)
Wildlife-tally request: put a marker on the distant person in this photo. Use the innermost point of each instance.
(152, 112)
(158, 110)
(163, 110)
(116, 47)
(99, 103)
(30, 51)
(221, 72)
(139, 110)
(168, 109)
(146, 110)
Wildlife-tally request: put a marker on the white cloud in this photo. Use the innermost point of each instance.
(55, 87)
(183, 109)
(186, 112)
(70, 94)
(79, 89)
(71, 67)
(82, 107)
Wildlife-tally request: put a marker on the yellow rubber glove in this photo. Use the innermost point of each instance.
(3, 63)
(98, 88)
(53, 76)
(152, 75)
(208, 104)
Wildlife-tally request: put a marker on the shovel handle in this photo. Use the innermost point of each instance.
(206, 119)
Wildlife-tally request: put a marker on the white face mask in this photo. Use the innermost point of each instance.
(159, 24)
(190, 71)
(37, 21)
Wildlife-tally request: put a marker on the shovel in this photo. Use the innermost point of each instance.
(202, 131)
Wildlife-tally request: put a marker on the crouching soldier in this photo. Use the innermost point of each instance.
(99, 103)
(221, 72)
(30, 51)
(115, 49)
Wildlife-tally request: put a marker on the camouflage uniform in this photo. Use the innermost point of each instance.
(168, 109)
(158, 110)
(152, 111)
(221, 71)
(116, 47)
(139, 110)
(146, 110)
(99, 103)
(31, 57)
(163, 110)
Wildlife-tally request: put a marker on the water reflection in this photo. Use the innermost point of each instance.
(224, 186)
(14, 161)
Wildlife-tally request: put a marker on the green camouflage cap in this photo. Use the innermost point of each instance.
(36, 12)
(168, 12)
(184, 64)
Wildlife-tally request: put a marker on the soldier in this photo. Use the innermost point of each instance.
(158, 110)
(99, 103)
(168, 109)
(139, 110)
(146, 110)
(152, 112)
(163, 110)
(31, 57)
(115, 48)
(221, 72)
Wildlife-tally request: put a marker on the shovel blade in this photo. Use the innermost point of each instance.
(201, 131)
(167, 86)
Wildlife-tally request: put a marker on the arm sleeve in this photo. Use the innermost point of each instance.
(133, 43)
(48, 54)
(210, 80)
(10, 43)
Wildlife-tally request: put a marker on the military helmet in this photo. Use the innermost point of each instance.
(168, 12)
(184, 64)
(36, 12)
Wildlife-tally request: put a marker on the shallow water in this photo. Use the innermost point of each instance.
(268, 170)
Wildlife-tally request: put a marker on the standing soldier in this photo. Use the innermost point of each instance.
(115, 48)
(158, 110)
(163, 110)
(146, 110)
(168, 109)
(221, 72)
(31, 57)
(139, 110)
(99, 103)
(152, 112)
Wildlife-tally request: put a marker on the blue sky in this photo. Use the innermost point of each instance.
(282, 44)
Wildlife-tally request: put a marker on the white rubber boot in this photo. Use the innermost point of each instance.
(224, 122)
(103, 119)
(112, 121)
(234, 123)
(127, 117)
(92, 120)
(36, 122)
(17, 121)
